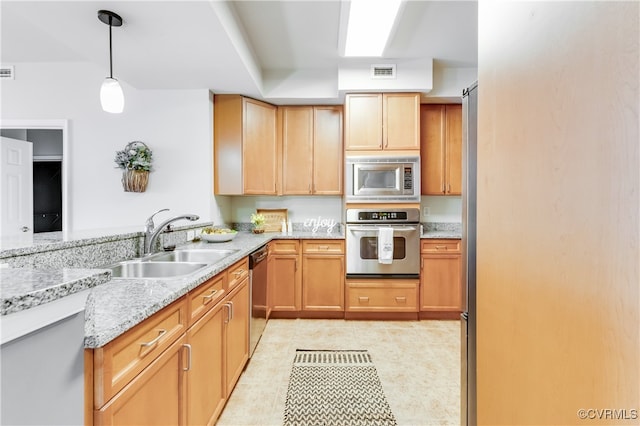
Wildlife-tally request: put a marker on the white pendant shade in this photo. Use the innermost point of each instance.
(111, 96)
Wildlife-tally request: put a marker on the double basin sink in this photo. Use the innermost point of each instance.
(168, 264)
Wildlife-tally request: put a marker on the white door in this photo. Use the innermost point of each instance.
(16, 187)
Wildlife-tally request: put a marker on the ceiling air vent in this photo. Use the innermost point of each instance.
(383, 71)
(6, 72)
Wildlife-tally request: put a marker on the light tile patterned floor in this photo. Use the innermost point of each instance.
(418, 363)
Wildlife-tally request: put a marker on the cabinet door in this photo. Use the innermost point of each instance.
(205, 384)
(297, 149)
(285, 283)
(453, 159)
(432, 128)
(227, 144)
(401, 120)
(441, 281)
(363, 121)
(322, 283)
(153, 397)
(259, 149)
(328, 162)
(236, 334)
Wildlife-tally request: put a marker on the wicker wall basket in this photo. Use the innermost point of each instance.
(135, 180)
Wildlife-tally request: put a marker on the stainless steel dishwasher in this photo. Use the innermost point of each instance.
(258, 294)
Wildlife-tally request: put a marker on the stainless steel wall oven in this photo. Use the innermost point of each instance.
(365, 231)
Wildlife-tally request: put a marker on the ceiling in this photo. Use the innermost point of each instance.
(271, 50)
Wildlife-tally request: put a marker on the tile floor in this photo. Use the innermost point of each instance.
(418, 363)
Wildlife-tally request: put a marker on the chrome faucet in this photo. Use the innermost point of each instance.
(151, 232)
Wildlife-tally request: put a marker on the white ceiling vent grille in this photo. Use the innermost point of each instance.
(6, 72)
(383, 71)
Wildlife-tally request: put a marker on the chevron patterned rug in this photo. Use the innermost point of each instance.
(335, 388)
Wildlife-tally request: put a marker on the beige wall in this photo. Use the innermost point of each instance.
(558, 213)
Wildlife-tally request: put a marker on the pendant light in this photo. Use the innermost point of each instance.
(111, 96)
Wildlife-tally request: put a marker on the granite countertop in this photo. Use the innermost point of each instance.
(441, 230)
(23, 288)
(120, 304)
(114, 305)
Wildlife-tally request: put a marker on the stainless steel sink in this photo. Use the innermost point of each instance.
(141, 269)
(192, 255)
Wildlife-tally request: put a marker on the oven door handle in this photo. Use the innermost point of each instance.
(396, 228)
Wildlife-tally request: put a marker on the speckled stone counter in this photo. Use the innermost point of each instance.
(441, 230)
(120, 304)
(24, 288)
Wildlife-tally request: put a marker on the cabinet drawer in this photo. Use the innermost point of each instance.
(237, 272)
(440, 246)
(396, 296)
(284, 247)
(323, 246)
(120, 360)
(205, 297)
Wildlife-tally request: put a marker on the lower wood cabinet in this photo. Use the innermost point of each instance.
(382, 295)
(306, 276)
(205, 377)
(323, 275)
(180, 365)
(236, 334)
(154, 397)
(285, 276)
(441, 278)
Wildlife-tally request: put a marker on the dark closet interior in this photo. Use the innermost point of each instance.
(47, 196)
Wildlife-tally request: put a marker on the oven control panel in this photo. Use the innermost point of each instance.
(378, 216)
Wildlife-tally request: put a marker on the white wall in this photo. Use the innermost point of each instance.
(176, 124)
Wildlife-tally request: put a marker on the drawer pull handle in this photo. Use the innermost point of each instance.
(238, 272)
(441, 247)
(401, 299)
(323, 247)
(207, 298)
(188, 367)
(161, 333)
(363, 299)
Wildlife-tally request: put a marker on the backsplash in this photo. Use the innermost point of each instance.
(90, 252)
(442, 226)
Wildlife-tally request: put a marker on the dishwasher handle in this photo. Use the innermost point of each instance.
(258, 256)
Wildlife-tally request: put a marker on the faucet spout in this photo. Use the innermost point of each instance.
(151, 235)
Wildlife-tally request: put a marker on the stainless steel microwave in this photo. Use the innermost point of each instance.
(382, 179)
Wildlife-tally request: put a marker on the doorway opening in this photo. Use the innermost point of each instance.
(50, 183)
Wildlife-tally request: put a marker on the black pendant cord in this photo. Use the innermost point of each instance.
(112, 20)
(110, 52)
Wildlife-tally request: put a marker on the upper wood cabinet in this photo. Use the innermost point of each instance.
(441, 149)
(312, 150)
(245, 146)
(382, 121)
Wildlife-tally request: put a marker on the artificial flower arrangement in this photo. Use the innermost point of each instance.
(135, 156)
(135, 161)
(258, 220)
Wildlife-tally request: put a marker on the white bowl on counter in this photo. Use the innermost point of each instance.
(218, 238)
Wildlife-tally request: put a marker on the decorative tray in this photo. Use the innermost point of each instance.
(274, 218)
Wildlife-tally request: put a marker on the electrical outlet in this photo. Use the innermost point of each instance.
(426, 212)
(191, 235)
